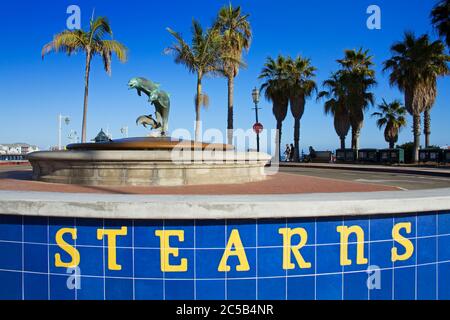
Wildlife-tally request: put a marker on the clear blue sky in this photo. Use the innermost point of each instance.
(33, 92)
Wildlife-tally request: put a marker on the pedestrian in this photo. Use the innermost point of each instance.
(287, 153)
(292, 153)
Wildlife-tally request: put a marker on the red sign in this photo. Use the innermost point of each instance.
(258, 128)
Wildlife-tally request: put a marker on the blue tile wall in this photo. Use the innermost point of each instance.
(28, 271)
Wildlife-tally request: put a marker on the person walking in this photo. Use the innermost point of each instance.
(291, 153)
(287, 153)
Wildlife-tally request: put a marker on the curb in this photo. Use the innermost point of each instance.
(400, 170)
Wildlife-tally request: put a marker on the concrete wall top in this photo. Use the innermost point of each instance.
(222, 207)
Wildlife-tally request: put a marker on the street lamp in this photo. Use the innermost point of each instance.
(257, 127)
(66, 120)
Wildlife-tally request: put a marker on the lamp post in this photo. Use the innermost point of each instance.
(257, 127)
(60, 120)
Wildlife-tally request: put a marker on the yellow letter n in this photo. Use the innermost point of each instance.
(345, 234)
(288, 248)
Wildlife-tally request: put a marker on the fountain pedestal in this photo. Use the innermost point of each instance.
(148, 162)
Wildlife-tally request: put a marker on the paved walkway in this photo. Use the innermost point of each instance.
(19, 179)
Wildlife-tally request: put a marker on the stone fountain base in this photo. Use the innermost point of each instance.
(148, 162)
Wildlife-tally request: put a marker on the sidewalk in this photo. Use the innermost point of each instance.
(440, 172)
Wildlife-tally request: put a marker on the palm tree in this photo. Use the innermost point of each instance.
(201, 57)
(392, 117)
(301, 86)
(440, 18)
(236, 37)
(415, 65)
(276, 90)
(336, 105)
(91, 43)
(358, 77)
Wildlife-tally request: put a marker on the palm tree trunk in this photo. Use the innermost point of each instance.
(355, 141)
(416, 131)
(86, 96)
(197, 108)
(278, 141)
(342, 138)
(427, 127)
(230, 110)
(391, 144)
(296, 139)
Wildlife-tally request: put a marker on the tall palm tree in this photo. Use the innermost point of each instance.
(201, 57)
(335, 105)
(358, 78)
(415, 65)
(392, 117)
(236, 38)
(92, 43)
(440, 18)
(276, 90)
(301, 86)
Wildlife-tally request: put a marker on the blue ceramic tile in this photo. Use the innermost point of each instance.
(444, 280)
(410, 219)
(59, 289)
(233, 262)
(270, 262)
(35, 286)
(144, 233)
(87, 231)
(384, 291)
(11, 288)
(328, 259)
(10, 256)
(380, 254)
(208, 263)
(355, 286)
(444, 223)
(121, 240)
(188, 229)
(55, 224)
(119, 289)
(91, 261)
(404, 284)
(182, 254)
(92, 288)
(147, 263)
(352, 252)
(64, 256)
(362, 223)
(210, 234)
(210, 289)
(327, 231)
(426, 282)
(149, 289)
(241, 289)
(272, 289)
(381, 228)
(426, 225)
(329, 287)
(426, 250)
(308, 254)
(401, 250)
(444, 248)
(268, 232)
(246, 229)
(179, 289)
(124, 259)
(35, 229)
(301, 288)
(310, 227)
(10, 228)
(36, 257)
